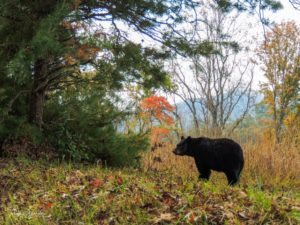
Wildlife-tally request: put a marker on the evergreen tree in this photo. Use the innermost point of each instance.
(45, 45)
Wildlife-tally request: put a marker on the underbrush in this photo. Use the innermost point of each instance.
(36, 192)
(267, 165)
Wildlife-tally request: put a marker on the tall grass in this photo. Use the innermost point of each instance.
(266, 164)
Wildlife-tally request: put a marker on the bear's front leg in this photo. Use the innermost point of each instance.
(204, 171)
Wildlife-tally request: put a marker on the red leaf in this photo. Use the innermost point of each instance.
(96, 183)
(119, 180)
(46, 205)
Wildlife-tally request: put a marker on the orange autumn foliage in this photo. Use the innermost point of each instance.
(158, 134)
(157, 107)
(83, 52)
(86, 52)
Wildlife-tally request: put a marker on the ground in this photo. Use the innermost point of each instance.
(65, 193)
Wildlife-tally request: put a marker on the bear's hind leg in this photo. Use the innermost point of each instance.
(204, 174)
(232, 177)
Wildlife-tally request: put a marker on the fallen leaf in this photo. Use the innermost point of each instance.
(168, 199)
(242, 215)
(242, 194)
(46, 205)
(119, 180)
(190, 217)
(96, 183)
(166, 217)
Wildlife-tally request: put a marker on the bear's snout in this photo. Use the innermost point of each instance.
(176, 151)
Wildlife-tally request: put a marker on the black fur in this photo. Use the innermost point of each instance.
(222, 155)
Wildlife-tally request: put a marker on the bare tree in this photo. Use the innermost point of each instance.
(178, 118)
(295, 4)
(185, 93)
(221, 82)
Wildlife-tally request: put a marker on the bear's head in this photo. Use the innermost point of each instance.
(182, 148)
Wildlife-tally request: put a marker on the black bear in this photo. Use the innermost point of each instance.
(222, 154)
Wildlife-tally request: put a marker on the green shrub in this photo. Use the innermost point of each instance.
(82, 125)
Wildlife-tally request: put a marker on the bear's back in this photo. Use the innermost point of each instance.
(217, 152)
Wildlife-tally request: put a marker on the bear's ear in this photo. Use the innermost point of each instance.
(188, 138)
(182, 137)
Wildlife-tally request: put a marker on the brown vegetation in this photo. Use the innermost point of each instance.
(266, 163)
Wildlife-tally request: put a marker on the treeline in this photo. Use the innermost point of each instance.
(65, 66)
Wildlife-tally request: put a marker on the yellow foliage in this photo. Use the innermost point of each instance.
(281, 57)
(266, 162)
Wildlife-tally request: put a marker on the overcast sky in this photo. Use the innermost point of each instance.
(287, 13)
(256, 30)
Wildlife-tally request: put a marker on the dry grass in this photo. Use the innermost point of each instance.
(270, 164)
(162, 159)
(267, 164)
(43, 193)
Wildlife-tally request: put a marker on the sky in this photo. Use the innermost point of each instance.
(287, 13)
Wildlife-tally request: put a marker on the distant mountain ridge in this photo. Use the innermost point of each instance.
(186, 115)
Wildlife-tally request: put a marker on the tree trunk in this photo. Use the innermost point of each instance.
(278, 127)
(37, 95)
(196, 124)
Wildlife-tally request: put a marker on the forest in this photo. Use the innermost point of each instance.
(95, 95)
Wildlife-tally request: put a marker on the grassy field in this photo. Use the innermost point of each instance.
(38, 192)
(266, 165)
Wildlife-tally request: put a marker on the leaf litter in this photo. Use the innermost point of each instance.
(63, 194)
